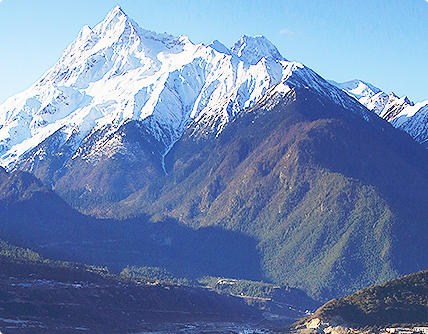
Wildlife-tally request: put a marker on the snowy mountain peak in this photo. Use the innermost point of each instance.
(253, 49)
(115, 16)
(400, 112)
(370, 96)
(400, 100)
(118, 72)
(220, 47)
(115, 12)
(115, 21)
(362, 91)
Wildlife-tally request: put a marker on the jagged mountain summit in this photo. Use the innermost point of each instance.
(400, 112)
(118, 72)
(120, 90)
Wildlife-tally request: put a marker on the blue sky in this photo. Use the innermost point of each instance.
(382, 42)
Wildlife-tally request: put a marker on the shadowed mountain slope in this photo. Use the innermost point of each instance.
(299, 189)
(33, 216)
(334, 199)
(39, 294)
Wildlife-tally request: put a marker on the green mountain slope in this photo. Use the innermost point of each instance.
(335, 201)
(33, 216)
(297, 190)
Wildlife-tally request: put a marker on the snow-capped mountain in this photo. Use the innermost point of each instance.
(129, 122)
(117, 72)
(370, 96)
(400, 112)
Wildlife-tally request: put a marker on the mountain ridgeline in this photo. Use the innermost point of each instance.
(223, 162)
(306, 181)
(400, 112)
(325, 192)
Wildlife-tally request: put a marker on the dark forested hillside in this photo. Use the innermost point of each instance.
(403, 301)
(335, 200)
(299, 190)
(33, 216)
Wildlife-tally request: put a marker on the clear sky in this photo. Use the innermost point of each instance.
(383, 42)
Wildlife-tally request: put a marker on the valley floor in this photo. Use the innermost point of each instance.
(14, 326)
(49, 306)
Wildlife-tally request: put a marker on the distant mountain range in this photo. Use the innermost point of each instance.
(400, 112)
(254, 156)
